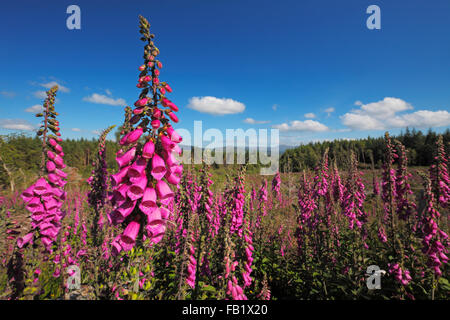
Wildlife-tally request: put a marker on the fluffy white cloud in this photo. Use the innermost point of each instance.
(307, 125)
(102, 99)
(383, 115)
(329, 111)
(309, 115)
(34, 109)
(16, 124)
(275, 107)
(253, 121)
(76, 129)
(50, 84)
(8, 94)
(215, 106)
(40, 94)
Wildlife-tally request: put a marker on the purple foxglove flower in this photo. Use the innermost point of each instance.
(163, 190)
(28, 194)
(61, 173)
(137, 168)
(130, 233)
(167, 144)
(40, 186)
(156, 231)
(136, 191)
(148, 202)
(28, 238)
(158, 167)
(148, 150)
(119, 176)
(126, 157)
(126, 208)
(50, 165)
(134, 135)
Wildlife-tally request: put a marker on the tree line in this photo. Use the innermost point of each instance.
(420, 147)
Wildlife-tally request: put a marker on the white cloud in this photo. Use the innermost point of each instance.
(40, 94)
(275, 107)
(383, 115)
(16, 124)
(50, 84)
(8, 94)
(34, 109)
(309, 115)
(358, 103)
(307, 125)
(102, 99)
(329, 111)
(96, 132)
(76, 129)
(215, 106)
(108, 92)
(253, 121)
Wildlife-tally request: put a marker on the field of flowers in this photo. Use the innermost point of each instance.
(157, 230)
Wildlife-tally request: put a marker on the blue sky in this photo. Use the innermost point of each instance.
(310, 68)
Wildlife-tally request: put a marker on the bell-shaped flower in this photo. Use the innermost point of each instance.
(163, 190)
(28, 194)
(50, 165)
(54, 178)
(51, 204)
(136, 190)
(41, 186)
(158, 167)
(119, 177)
(58, 148)
(174, 136)
(154, 217)
(173, 177)
(126, 157)
(148, 202)
(167, 144)
(51, 155)
(134, 135)
(156, 231)
(120, 194)
(59, 161)
(126, 208)
(155, 123)
(28, 238)
(137, 168)
(130, 233)
(52, 142)
(173, 116)
(148, 150)
(61, 173)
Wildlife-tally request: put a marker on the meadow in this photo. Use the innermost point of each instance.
(152, 228)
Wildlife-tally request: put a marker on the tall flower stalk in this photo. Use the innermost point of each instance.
(147, 160)
(45, 197)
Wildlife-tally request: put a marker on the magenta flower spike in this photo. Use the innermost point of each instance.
(148, 188)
